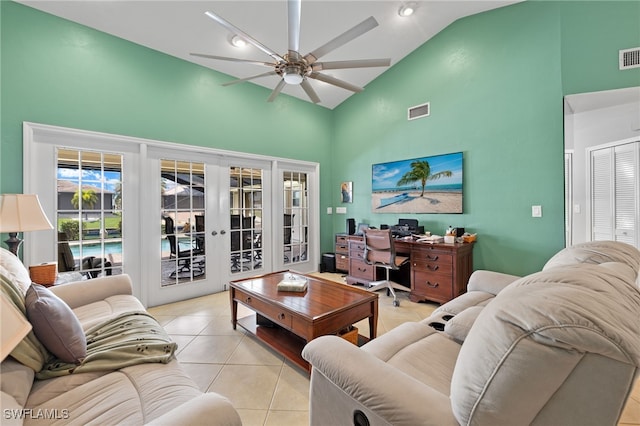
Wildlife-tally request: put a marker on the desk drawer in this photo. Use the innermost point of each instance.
(359, 269)
(274, 313)
(342, 262)
(432, 256)
(434, 266)
(342, 248)
(434, 286)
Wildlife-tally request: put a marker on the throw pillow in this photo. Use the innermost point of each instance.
(55, 324)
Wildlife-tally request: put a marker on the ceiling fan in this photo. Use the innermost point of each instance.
(294, 68)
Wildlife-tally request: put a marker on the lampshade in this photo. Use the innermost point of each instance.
(22, 212)
(14, 327)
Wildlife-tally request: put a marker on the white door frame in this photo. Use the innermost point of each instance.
(39, 165)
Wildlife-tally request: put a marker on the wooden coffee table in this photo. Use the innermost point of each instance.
(326, 307)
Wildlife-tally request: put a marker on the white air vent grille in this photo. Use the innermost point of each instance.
(418, 111)
(630, 58)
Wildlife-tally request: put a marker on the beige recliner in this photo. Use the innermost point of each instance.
(558, 347)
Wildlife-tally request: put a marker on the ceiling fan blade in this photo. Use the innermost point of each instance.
(359, 63)
(364, 26)
(229, 26)
(293, 8)
(335, 82)
(276, 91)
(309, 91)
(224, 58)
(241, 80)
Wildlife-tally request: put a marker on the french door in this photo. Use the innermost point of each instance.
(207, 222)
(181, 221)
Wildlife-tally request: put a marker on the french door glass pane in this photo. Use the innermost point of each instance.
(182, 224)
(245, 203)
(296, 217)
(89, 212)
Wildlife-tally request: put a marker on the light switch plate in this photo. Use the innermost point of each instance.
(536, 211)
(329, 210)
(341, 210)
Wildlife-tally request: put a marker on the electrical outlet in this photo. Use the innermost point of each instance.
(536, 211)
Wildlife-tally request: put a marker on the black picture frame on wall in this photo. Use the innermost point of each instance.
(419, 185)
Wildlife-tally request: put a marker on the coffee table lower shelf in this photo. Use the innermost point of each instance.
(281, 340)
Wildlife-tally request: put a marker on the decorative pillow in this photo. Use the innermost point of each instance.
(13, 269)
(55, 324)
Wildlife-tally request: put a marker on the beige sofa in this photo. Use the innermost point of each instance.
(147, 393)
(558, 347)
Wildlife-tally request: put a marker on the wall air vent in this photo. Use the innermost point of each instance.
(418, 111)
(630, 58)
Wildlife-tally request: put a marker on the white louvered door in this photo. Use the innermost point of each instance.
(615, 186)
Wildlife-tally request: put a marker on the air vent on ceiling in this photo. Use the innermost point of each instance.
(418, 111)
(630, 58)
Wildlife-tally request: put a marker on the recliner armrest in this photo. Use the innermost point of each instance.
(489, 281)
(209, 408)
(385, 390)
(81, 293)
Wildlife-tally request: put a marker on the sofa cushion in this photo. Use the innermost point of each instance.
(110, 307)
(17, 380)
(55, 324)
(596, 252)
(14, 270)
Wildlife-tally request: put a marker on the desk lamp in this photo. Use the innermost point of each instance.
(20, 213)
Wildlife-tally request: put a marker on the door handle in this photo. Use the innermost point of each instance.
(214, 233)
(223, 232)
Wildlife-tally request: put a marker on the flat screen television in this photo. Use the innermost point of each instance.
(418, 185)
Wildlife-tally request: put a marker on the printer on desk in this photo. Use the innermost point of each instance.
(406, 227)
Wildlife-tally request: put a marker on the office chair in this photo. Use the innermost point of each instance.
(379, 250)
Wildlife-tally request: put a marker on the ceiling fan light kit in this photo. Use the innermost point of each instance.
(237, 41)
(294, 68)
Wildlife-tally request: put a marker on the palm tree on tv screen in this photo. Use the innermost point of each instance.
(421, 171)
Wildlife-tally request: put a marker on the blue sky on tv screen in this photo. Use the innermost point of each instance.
(385, 176)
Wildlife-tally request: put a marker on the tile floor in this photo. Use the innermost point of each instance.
(264, 387)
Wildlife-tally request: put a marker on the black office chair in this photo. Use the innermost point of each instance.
(184, 256)
(379, 250)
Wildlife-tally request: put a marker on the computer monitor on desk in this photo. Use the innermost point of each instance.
(406, 227)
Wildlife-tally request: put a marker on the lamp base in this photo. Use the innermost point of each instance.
(13, 242)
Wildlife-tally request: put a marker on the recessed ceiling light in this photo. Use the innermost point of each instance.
(407, 9)
(238, 41)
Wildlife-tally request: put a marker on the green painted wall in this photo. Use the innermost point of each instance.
(57, 72)
(496, 82)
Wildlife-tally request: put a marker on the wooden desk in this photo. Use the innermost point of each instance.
(437, 272)
(325, 308)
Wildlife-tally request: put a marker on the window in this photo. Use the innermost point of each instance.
(296, 217)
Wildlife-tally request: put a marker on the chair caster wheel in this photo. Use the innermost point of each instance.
(396, 303)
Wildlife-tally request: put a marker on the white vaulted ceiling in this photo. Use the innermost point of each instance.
(178, 28)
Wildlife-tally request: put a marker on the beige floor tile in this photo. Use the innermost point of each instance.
(247, 386)
(635, 393)
(252, 417)
(164, 319)
(220, 325)
(288, 418)
(202, 374)
(251, 352)
(292, 390)
(631, 413)
(182, 341)
(188, 324)
(209, 349)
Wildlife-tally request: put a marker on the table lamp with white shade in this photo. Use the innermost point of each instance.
(21, 213)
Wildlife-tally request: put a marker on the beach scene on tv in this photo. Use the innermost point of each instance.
(420, 185)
